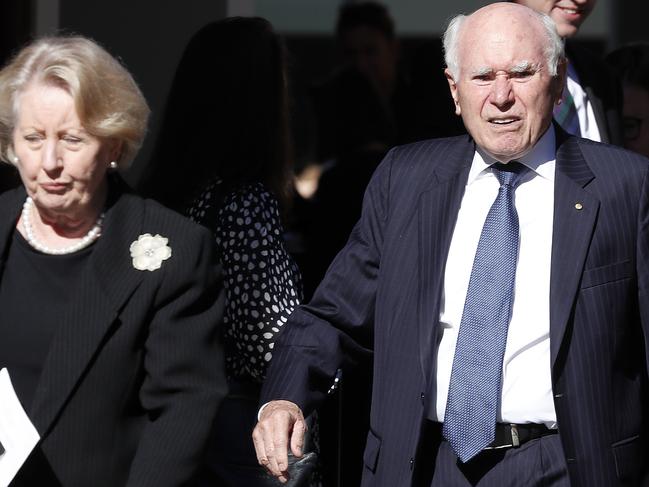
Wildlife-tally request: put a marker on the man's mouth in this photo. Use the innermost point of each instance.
(502, 121)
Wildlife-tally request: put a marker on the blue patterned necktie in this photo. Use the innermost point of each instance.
(474, 390)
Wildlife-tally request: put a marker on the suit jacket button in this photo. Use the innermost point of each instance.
(412, 463)
(422, 396)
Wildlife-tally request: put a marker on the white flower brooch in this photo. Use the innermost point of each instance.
(149, 251)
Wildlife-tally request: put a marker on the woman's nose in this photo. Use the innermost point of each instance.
(51, 157)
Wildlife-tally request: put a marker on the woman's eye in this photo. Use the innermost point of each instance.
(32, 138)
(71, 139)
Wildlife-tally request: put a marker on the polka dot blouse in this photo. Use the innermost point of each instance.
(262, 282)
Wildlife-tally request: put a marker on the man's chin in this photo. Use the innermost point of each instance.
(506, 154)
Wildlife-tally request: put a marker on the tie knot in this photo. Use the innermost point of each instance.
(509, 174)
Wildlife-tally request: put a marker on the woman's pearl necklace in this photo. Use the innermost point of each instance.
(87, 239)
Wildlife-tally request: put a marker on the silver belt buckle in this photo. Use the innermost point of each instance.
(515, 439)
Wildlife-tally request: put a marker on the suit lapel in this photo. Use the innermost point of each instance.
(575, 214)
(106, 284)
(437, 214)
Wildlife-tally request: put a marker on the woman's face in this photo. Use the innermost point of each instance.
(62, 166)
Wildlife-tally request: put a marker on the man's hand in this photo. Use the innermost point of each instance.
(280, 422)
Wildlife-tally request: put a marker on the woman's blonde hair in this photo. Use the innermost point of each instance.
(108, 101)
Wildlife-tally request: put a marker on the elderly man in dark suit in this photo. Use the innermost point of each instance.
(592, 97)
(500, 281)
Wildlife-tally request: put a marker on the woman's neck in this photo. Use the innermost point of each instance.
(59, 229)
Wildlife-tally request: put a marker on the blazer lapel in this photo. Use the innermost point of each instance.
(106, 284)
(575, 214)
(437, 214)
(10, 205)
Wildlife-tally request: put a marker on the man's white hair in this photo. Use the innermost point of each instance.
(554, 51)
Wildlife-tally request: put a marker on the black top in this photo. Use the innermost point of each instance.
(261, 280)
(35, 290)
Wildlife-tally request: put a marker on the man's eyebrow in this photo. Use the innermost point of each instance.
(524, 66)
(520, 67)
(483, 71)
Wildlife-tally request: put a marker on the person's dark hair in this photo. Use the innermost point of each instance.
(631, 63)
(369, 14)
(226, 115)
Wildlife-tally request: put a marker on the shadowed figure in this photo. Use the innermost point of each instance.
(223, 158)
(631, 63)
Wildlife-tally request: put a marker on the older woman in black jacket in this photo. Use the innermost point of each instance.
(109, 303)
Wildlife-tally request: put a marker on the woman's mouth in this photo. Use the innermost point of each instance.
(54, 187)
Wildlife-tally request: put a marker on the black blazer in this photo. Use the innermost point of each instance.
(134, 374)
(382, 295)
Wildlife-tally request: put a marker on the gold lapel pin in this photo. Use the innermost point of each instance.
(579, 206)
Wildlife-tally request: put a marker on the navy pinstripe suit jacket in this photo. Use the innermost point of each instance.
(382, 294)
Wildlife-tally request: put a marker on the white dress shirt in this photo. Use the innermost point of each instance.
(526, 395)
(585, 113)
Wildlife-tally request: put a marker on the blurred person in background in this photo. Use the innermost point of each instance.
(631, 63)
(591, 104)
(358, 107)
(361, 110)
(223, 157)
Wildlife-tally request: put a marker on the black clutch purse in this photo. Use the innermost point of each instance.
(299, 471)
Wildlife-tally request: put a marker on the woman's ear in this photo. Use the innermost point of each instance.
(113, 151)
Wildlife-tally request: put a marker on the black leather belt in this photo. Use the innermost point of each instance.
(513, 435)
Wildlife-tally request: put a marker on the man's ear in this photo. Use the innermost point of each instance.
(453, 87)
(560, 80)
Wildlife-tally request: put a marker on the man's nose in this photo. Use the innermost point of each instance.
(502, 94)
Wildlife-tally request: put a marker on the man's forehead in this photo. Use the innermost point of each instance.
(502, 25)
(501, 51)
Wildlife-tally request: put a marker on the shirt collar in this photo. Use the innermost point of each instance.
(541, 159)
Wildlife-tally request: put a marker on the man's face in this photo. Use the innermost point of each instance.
(568, 15)
(504, 93)
(372, 53)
